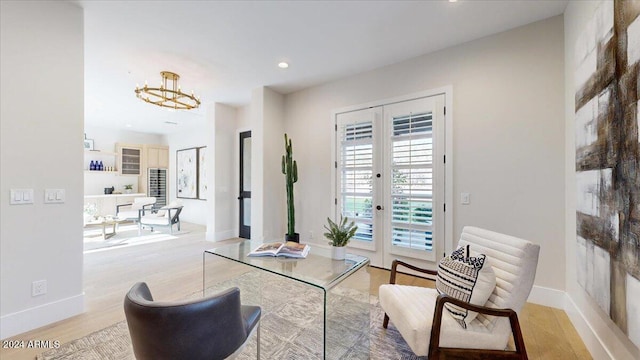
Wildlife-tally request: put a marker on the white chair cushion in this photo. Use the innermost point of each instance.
(172, 205)
(154, 219)
(127, 214)
(467, 276)
(138, 203)
(411, 309)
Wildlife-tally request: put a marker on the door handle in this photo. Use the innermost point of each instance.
(240, 197)
(379, 207)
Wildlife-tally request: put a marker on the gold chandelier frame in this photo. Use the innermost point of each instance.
(169, 94)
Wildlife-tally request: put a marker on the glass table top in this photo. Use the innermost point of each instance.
(317, 270)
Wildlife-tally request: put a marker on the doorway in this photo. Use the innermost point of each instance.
(390, 179)
(245, 185)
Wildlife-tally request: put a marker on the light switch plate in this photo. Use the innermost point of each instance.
(54, 196)
(465, 198)
(21, 196)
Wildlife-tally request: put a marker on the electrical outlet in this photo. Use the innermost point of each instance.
(310, 235)
(39, 288)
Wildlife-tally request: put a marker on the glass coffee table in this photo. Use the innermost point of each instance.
(312, 308)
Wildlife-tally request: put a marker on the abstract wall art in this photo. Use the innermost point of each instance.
(608, 162)
(203, 182)
(187, 173)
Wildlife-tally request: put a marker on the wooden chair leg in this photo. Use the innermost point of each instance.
(385, 323)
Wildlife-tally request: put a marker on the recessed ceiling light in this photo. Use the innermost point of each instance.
(453, 0)
(128, 125)
(283, 65)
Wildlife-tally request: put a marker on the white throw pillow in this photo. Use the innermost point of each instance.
(467, 278)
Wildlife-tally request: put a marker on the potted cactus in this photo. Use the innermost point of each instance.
(290, 171)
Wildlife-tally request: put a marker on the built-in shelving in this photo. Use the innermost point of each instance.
(99, 155)
(100, 152)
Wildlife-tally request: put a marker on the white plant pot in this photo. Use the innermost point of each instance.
(337, 252)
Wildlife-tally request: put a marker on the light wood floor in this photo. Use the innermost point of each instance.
(173, 270)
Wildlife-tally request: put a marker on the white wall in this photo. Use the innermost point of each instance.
(194, 211)
(41, 147)
(268, 201)
(225, 169)
(508, 135)
(256, 109)
(275, 200)
(601, 336)
(104, 139)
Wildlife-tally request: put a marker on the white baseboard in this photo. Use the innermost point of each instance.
(599, 345)
(29, 319)
(548, 297)
(587, 333)
(224, 235)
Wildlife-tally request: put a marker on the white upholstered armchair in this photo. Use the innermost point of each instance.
(135, 210)
(421, 317)
(166, 216)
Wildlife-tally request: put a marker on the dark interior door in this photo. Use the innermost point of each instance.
(245, 185)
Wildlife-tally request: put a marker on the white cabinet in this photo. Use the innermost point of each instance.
(157, 157)
(129, 159)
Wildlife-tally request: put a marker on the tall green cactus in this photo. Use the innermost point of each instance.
(290, 171)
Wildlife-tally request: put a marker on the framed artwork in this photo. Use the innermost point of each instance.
(202, 173)
(88, 144)
(607, 154)
(187, 173)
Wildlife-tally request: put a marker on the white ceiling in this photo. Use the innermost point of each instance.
(224, 49)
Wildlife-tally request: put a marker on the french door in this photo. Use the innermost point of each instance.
(390, 179)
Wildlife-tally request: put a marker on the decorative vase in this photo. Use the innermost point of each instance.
(294, 238)
(337, 252)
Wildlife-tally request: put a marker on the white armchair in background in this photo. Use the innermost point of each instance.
(136, 209)
(166, 216)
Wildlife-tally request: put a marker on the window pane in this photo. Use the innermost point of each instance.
(246, 164)
(246, 220)
(356, 172)
(412, 181)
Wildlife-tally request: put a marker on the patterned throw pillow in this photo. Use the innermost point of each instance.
(467, 278)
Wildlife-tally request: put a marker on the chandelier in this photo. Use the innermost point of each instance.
(169, 94)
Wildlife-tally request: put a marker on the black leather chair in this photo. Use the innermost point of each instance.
(213, 327)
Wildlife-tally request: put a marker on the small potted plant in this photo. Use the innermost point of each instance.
(339, 235)
(128, 188)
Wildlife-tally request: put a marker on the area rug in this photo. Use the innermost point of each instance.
(126, 235)
(290, 328)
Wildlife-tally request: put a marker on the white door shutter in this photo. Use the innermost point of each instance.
(356, 168)
(412, 181)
